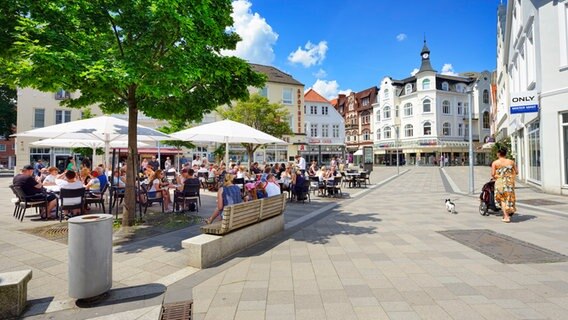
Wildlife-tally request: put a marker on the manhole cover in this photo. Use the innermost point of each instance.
(503, 248)
(539, 202)
(177, 311)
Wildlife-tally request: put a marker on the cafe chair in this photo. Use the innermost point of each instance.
(65, 196)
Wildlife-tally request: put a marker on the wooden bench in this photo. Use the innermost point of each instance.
(246, 213)
(14, 293)
(243, 225)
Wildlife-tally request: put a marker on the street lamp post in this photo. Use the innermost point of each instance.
(396, 146)
(470, 132)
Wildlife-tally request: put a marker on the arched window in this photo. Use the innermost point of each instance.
(366, 136)
(386, 93)
(485, 96)
(387, 112)
(408, 109)
(426, 106)
(445, 107)
(378, 134)
(408, 130)
(387, 132)
(427, 128)
(426, 84)
(408, 89)
(445, 86)
(486, 124)
(447, 129)
(378, 115)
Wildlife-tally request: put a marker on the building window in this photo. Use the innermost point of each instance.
(427, 129)
(387, 132)
(408, 89)
(426, 84)
(378, 115)
(62, 95)
(446, 129)
(39, 118)
(335, 129)
(341, 109)
(445, 107)
(426, 106)
(2, 148)
(263, 92)
(379, 138)
(485, 96)
(365, 101)
(445, 86)
(306, 127)
(408, 130)
(287, 96)
(565, 138)
(366, 136)
(313, 109)
(460, 108)
(62, 116)
(460, 129)
(325, 130)
(534, 151)
(408, 109)
(314, 130)
(324, 110)
(387, 112)
(465, 108)
(386, 93)
(486, 122)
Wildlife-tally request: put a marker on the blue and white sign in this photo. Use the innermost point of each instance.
(524, 102)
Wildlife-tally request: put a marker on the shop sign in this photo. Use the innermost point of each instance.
(428, 142)
(524, 102)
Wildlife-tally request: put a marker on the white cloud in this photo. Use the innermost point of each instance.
(320, 74)
(257, 35)
(448, 69)
(329, 89)
(401, 37)
(414, 71)
(312, 55)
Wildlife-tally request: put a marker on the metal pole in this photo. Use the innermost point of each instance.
(470, 111)
(396, 145)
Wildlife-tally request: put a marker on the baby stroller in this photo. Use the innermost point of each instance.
(487, 198)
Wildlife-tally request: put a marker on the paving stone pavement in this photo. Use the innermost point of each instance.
(374, 256)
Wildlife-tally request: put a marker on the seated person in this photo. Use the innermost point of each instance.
(272, 187)
(298, 188)
(187, 178)
(71, 182)
(156, 190)
(103, 180)
(53, 175)
(118, 180)
(227, 195)
(94, 184)
(33, 189)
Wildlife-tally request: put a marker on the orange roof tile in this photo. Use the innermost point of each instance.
(312, 95)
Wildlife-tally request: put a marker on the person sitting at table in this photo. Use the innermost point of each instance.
(227, 195)
(118, 180)
(286, 178)
(187, 177)
(156, 188)
(94, 184)
(33, 189)
(103, 180)
(272, 187)
(313, 169)
(255, 169)
(84, 175)
(52, 177)
(71, 182)
(297, 187)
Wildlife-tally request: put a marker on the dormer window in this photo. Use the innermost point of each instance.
(408, 89)
(445, 86)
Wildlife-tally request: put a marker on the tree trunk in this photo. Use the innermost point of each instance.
(129, 208)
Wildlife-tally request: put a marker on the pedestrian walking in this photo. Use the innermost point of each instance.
(504, 171)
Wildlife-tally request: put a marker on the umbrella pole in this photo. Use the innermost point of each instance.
(226, 153)
(112, 184)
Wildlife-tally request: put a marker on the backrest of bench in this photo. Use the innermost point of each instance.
(272, 206)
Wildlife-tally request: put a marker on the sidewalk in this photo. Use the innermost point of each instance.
(140, 270)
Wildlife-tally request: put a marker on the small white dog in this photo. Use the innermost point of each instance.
(450, 206)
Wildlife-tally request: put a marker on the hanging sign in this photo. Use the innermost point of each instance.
(524, 102)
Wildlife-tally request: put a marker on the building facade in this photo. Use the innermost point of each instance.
(324, 128)
(7, 153)
(356, 109)
(532, 61)
(424, 117)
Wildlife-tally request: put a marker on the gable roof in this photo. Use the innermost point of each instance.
(312, 95)
(275, 75)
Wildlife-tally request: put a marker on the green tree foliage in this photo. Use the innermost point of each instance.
(259, 113)
(8, 111)
(161, 57)
(502, 143)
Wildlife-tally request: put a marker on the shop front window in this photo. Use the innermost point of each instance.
(534, 151)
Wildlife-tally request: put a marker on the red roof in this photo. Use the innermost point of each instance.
(312, 95)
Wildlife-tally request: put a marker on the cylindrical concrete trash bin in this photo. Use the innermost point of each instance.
(90, 255)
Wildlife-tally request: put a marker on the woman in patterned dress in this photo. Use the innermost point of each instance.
(504, 170)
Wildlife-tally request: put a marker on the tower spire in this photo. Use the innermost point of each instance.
(425, 54)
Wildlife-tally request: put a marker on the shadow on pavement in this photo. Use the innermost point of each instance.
(122, 295)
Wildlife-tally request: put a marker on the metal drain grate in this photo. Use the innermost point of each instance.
(177, 311)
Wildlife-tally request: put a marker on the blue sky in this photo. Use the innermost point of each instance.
(336, 46)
